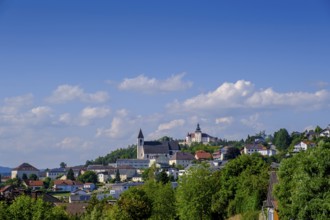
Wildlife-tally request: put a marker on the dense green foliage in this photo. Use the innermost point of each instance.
(243, 186)
(26, 208)
(70, 175)
(194, 193)
(88, 177)
(303, 191)
(198, 146)
(282, 139)
(122, 153)
(162, 198)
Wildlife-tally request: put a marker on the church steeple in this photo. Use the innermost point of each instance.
(140, 134)
(139, 146)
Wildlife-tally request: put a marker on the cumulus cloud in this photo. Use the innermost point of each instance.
(224, 120)
(253, 121)
(171, 124)
(74, 143)
(66, 93)
(243, 95)
(12, 105)
(142, 83)
(165, 128)
(90, 113)
(41, 111)
(121, 125)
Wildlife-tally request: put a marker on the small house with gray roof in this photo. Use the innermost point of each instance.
(182, 158)
(155, 149)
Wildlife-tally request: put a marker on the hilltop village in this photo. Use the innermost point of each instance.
(172, 163)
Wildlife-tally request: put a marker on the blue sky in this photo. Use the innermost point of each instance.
(79, 78)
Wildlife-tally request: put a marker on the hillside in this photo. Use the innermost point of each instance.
(122, 153)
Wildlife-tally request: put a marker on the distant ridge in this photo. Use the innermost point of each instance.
(5, 170)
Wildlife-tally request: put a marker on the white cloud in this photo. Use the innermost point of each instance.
(14, 104)
(90, 113)
(66, 93)
(121, 125)
(74, 143)
(253, 122)
(242, 95)
(142, 83)
(166, 129)
(224, 120)
(41, 111)
(171, 125)
(65, 118)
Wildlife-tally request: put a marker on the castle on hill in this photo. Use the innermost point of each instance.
(199, 137)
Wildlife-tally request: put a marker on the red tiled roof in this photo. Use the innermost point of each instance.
(202, 155)
(34, 183)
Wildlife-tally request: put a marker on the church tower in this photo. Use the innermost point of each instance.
(198, 134)
(140, 143)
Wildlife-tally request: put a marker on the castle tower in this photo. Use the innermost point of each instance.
(139, 146)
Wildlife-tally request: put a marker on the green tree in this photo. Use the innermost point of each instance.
(163, 200)
(232, 153)
(282, 139)
(318, 129)
(194, 193)
(88, 177)
(4, 214)
(70, 174)
(24, 176)
(26, 208)
(33, 176)
(303, 188)
(117, 178)
(63, 165)
(0, 179)
(47, 182)
(243, 186)
(162, 177)
(133, 204)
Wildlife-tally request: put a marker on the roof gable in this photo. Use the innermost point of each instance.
(26, 167)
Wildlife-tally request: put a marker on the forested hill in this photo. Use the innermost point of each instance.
(121, 153)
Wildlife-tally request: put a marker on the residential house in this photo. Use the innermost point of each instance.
(56, 172)
(217, 155)
(325, 132)
(98, 168)
(125, 172)
(258, 148)
(270, 205)
(67, 185)
(103, 177)
(154, 149)
(89, 187)
(34, 184)
(199, 137)
(24, 168)
(137, 178)
(203, 155)
(310, 135)
(79, 196)
(303, 145)
(119, 188)
(181, 158)
(136, 163)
